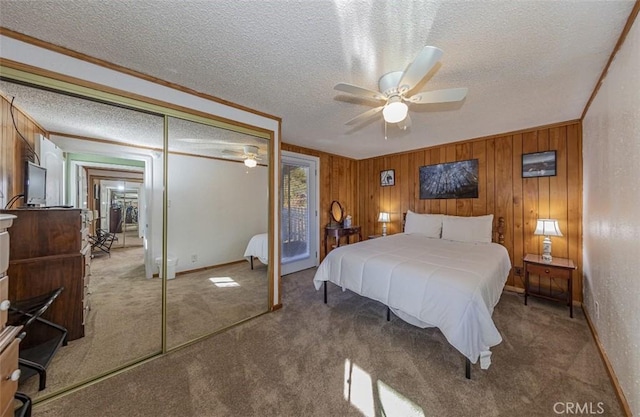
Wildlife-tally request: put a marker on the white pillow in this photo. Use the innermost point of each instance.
(468, 229)
(429, 225)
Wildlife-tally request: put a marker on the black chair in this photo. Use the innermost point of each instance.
(102, 241)
(41, 338)
(25, 409)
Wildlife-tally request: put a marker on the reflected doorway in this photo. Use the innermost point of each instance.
(123, 215)
(115, 203)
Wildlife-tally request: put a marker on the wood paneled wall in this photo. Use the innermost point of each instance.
(13, 150)
(356, 185)
(337, 177)
(502, 190)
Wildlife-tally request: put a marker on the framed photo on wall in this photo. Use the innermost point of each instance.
(387, 177)
(449, 180)
(539, 164)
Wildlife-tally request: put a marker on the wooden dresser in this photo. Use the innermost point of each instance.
(50, 249)
(9, 372)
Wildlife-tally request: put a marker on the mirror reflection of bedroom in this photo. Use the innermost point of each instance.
(121, 310)
(107, 163)
(216, 207)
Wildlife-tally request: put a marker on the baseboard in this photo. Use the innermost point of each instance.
(607, 364)
(204, 268)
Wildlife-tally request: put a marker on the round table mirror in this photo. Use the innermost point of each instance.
(337, 213)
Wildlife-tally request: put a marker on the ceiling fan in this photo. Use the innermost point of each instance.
(395, 90)
(249, 154)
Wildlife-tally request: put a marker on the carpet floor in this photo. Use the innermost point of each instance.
(124, 323)
(345, 359)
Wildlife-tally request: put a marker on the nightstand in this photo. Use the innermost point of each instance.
(336, 233)
(558, 268)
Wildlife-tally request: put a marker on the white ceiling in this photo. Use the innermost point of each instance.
(68, 118)
(525, 63)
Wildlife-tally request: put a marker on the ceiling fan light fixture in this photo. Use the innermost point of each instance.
(396, 88)
(250, 162)
(395, 111)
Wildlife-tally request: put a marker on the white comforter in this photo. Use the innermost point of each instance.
(428, 282)
(258, 247)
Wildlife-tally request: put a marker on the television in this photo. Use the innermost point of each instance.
(35, 185)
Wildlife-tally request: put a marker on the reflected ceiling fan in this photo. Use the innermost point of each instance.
(395, 90)
(249, 154)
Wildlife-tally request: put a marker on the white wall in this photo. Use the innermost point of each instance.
(611, 222)
(215, 207)
(52, 159)
(153, 175)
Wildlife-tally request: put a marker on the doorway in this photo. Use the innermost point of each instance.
(299, 210)
(123, 214)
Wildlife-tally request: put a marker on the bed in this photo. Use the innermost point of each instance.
(443, 271)
(258, 247)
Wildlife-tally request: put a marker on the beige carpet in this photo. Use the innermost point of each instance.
(125, 319)
(202, 302)
(345, 359)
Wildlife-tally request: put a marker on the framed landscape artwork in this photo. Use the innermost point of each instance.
(539, 164)
(449, 180)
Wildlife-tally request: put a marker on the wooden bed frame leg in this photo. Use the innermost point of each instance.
(467, 368)
(251, 257)
(388, 314)
(325, 292)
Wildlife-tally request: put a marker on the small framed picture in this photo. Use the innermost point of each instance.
(539, 164)
(387, 178)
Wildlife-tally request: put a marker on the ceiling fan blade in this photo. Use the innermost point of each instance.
(233, 153)
(405, 124)
(203, 140)
(420, 67)
(439, 96)
(359, 91)
(365, 116)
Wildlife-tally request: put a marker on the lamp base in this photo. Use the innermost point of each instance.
(384, 229)
(546, 249)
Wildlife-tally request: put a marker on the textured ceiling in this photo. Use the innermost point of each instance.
(525, 63)
(62, 114)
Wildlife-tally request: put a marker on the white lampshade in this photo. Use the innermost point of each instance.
(547, 227)
(250, 162)
(395, 111)
(384, 217)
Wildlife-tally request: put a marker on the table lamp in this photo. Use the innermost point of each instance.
(546, 228)
(384, 218)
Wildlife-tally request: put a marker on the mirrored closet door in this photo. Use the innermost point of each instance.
(175, 212)
(107, 169)
(218, 192)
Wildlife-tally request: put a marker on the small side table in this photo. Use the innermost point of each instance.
(558, 268)
(338, 232)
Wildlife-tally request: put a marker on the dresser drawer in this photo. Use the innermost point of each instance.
(547, 272)
(4, 300)
(4, 252)
(86, 308)
(8, 364)
(84, 237)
